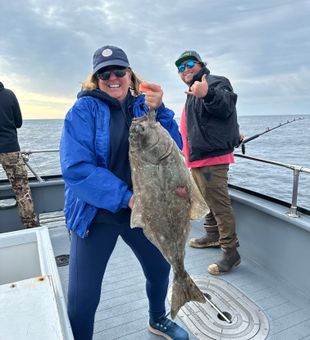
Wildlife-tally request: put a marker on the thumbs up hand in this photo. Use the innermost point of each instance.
(199, 88)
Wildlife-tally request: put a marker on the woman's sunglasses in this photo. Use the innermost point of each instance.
(118, 72)
(189, 64)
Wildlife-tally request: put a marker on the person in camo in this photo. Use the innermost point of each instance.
(210, 131)
(11, 158)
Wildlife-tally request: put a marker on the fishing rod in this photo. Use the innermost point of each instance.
(246, 140)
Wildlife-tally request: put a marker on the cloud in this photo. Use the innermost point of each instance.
(262, 47)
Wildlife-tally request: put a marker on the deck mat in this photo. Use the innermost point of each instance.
(227, 314)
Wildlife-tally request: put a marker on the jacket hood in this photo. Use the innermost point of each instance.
(1, 86)
(135, 104)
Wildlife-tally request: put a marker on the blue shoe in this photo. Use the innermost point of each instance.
(167, 329)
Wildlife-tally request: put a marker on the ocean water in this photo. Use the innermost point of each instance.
(288, 144)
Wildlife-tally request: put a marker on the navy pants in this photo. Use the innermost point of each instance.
(88, 261)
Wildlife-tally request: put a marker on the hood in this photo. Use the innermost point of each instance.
(1, 86)
(135, 104)
(105, 97)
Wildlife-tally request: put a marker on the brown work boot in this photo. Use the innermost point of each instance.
(230, 259)
(32, 223)
(211, 239)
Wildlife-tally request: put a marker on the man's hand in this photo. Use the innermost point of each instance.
(153, 94)
(199, 88)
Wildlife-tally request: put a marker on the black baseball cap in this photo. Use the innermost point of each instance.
(109, 56)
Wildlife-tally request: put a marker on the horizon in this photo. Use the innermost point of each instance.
(178, 116)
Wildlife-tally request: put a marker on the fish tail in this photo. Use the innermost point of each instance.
(184, 290)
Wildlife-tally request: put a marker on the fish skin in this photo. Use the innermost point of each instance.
(166, 198)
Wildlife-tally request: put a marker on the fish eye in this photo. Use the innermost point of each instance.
(140, 128)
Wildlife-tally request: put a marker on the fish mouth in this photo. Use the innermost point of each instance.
(136, 128)
(164, 154)
(137, 134)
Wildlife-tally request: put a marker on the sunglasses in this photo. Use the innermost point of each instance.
(118, 72)
(189, 64)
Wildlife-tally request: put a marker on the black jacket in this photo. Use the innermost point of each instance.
(10, 120)
(211, 122)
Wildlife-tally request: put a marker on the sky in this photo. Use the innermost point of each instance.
(262, 47)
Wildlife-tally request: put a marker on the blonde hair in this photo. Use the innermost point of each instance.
(91, 83)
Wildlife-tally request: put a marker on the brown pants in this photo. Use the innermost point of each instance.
(213, 184)
(14, 166)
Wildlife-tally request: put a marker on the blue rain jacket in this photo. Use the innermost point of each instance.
(84, 158)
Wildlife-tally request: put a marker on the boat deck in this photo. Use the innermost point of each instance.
(123, 309)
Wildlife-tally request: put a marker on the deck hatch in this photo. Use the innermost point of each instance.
(247, 321)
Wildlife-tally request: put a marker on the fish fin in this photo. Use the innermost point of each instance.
(136, 221)
(199, 208)
(184, 290)
(136, 216)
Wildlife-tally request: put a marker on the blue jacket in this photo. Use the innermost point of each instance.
(84, 158)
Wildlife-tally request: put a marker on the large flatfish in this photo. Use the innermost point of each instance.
(166, 198)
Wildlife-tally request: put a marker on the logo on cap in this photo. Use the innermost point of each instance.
(107, 52)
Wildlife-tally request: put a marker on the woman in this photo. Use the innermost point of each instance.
(98, 189)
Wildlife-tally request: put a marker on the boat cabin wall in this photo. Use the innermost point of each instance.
(47, 196)
(272, 239)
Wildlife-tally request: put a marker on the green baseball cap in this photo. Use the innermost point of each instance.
(188, 55)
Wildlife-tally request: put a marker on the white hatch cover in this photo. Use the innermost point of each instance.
(29, 310)
(228, 313)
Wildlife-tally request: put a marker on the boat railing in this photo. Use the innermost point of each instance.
(26, 155)
(296, 172)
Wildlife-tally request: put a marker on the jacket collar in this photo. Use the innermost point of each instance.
(105, 97)
(199, 75)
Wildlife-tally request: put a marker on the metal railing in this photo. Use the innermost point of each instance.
(26, 155)
(296, 171)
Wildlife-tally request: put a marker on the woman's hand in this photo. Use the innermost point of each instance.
(153, 95)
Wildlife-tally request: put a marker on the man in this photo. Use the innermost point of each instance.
(11, 158)
(210, 132)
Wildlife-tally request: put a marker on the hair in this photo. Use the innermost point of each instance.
(91, 82)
